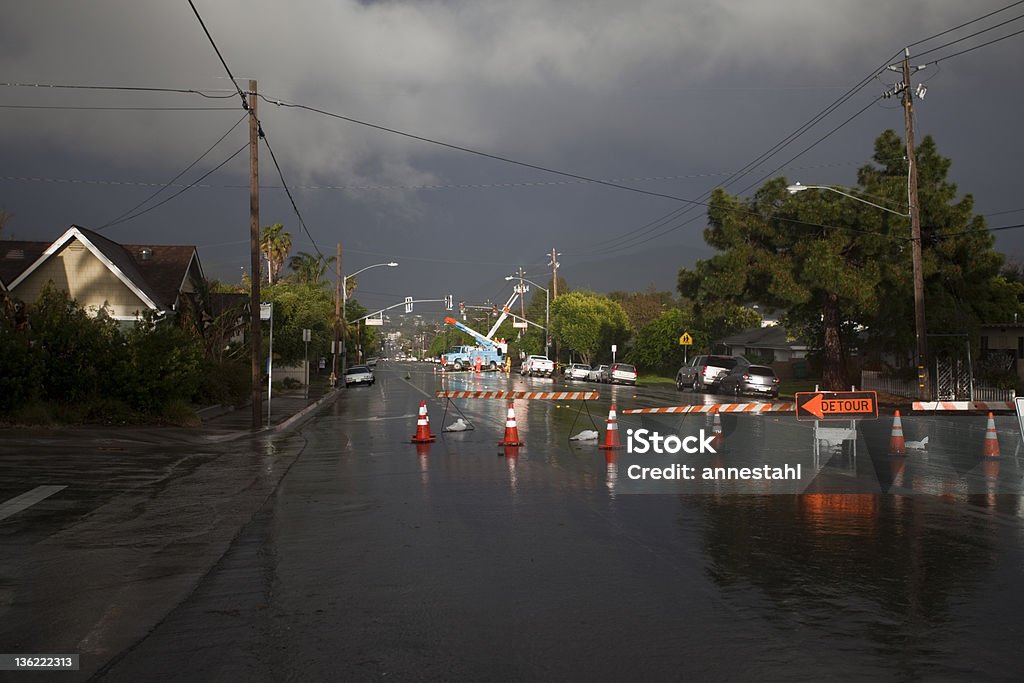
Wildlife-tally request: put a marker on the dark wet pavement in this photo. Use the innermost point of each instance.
(376, 558)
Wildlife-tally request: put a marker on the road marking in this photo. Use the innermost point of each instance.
(25, 500)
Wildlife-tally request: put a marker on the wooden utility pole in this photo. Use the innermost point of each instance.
(255, 335)
(924, 385)
(554, 274)
(337, 313)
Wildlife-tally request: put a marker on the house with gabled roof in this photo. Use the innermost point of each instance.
(127, 279)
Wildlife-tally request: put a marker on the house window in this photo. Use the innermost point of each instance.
(984, 342)
(1020, 347)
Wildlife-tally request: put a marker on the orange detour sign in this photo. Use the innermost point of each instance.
(836, 405)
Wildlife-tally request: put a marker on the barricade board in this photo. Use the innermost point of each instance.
(716, 408)
(529, 395)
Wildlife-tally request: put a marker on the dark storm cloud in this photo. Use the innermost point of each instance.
(655, 88)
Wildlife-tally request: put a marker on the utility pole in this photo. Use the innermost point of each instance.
(554, 274)
(522, 298)
(924, 383)
(256, 339)
(554, 295)
(337, 315)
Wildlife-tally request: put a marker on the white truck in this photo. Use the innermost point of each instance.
(537, 366)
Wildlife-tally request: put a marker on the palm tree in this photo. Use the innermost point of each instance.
(309, 268)
(275, 243)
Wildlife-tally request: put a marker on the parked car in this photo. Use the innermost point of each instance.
(535, 366)
(703, 372)
(371, 362)
(621, 373)
(597, 373)
(751, 379)
(359, 374)
(577, 371)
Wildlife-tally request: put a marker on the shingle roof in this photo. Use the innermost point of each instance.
(157, 270)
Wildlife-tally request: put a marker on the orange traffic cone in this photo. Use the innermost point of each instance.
(611, 434)
(896, 444)
(511, 430)
(991, 449)
(423, 434)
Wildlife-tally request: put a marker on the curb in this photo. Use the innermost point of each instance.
(305, 413)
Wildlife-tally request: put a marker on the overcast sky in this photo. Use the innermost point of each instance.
(668, 96)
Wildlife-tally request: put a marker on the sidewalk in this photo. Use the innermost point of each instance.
(219, 424)
(286, 409)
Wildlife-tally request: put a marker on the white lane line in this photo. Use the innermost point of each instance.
(25, 500)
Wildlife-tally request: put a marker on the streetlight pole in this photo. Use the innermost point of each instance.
(547, 309)
(924, 386)
(344, 320)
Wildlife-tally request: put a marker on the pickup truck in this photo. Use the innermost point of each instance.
(704, 372)
(535, 366)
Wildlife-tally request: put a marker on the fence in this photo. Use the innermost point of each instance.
(872, 380)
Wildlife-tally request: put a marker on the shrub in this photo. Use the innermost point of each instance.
(179, 413)
(226, 382)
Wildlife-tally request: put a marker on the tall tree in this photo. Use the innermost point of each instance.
(275, 243)
(589, 324)
(831, 261)
(310, 268)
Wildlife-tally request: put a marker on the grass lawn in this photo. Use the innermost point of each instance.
(655, 379)
(788, 387)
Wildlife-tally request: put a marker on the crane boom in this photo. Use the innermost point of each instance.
(504, 314)
(480, 339)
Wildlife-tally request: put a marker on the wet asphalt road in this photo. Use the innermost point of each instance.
(343, 552)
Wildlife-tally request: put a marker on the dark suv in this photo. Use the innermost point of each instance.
(704, 372)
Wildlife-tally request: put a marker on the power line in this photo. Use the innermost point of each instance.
(125, 88)
(85, 108)
(659, 222)
(976, 47)
(476, 152)
(450, 186)
(245, 104)
(967, 23)
(288, 192)
(749, 167)
(970, 35)
(179, 192)
(202, 156)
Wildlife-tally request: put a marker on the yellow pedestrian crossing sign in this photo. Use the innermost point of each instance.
(686, 339)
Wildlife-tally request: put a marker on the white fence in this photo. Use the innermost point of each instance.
(871, 380)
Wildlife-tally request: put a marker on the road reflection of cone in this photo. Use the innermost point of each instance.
(511, 430)
(716, 432)
(896, 443)
(991, 449)
(422, 451)
(611, 459)
(423, 434)
(611, 435)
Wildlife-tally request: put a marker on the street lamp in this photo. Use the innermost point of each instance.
(793, 189)
(919, 324)
(344, 300)
(547, 308)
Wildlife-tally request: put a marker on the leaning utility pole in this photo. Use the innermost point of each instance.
(924, 384)
(255, 335)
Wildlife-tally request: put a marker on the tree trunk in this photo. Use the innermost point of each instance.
(833, 370)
